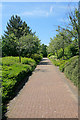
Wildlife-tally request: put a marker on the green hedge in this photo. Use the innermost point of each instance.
(71, 70)
(37, 57)
(50, 54)
(13, 73)
(69, 67)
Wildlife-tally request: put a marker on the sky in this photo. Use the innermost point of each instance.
(42, 17)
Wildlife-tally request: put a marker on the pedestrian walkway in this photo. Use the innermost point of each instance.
(45, 95)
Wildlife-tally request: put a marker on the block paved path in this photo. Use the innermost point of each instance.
(45, 95)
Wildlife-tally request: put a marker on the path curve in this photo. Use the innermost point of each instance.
(45, 95)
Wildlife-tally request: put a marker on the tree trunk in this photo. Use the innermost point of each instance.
(20, 59)
(63, 47)
(57, 53)
(63, 52)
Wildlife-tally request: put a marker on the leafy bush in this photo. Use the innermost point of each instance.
(13, 73)
(37, 57)
(50, 54)
(62, 65)
(29, 61)
(53, 57)
(71, 50)
(56, 61)
(71, 69)
(60, 53)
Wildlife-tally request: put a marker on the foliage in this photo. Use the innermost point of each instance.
(50, 54)
(60, 53)
(37, 57)
(19, 40)
(50, 48)
(30, 62)
(66, 43)
(69, 67)
(17, 26)
(32, 45)
(44, 50)
(71, 50)
(58, 43)
(13, 73)
(54, 61)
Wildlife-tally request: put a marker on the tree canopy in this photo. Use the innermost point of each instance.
(67, 39)
(18, 39)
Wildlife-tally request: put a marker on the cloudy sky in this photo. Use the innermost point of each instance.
(42, 17)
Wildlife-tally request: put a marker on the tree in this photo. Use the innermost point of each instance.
(9, 46)
(73, 27)
(61, 40)
(32, 45)
(65, 39)
(12, 42)
(44, 50)
(16, 26)
(50, 47)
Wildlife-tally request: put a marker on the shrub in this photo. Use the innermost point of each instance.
(71, 69)
(37, 57)
(29, 61)
(50, 54)
(53, 57)
(71, 51)
(60, 53)
(13, 73)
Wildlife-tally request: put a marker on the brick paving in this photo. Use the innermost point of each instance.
(45, 95)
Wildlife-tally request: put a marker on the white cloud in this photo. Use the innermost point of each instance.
(51, 9)
(35, 13)
(38, 12)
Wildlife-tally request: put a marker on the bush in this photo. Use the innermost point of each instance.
(56, 61)
(13, 73)
(71, 51)
(29, 61)
(71, 69)
(37, 57)
(60, 53)
(53, 57)
(50, 54)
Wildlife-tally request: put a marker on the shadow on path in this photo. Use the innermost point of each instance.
(45, 63)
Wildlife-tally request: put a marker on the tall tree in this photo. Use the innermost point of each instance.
(64, 40)
(73, 27)
(15, 30)
(44, 50)
(17, 26)
(29, 44)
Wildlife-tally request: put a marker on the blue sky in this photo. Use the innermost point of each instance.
(42, 17)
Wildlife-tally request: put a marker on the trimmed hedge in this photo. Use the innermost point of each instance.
(13, 73)
(71, 70)
(69, 67)
(37, 57)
